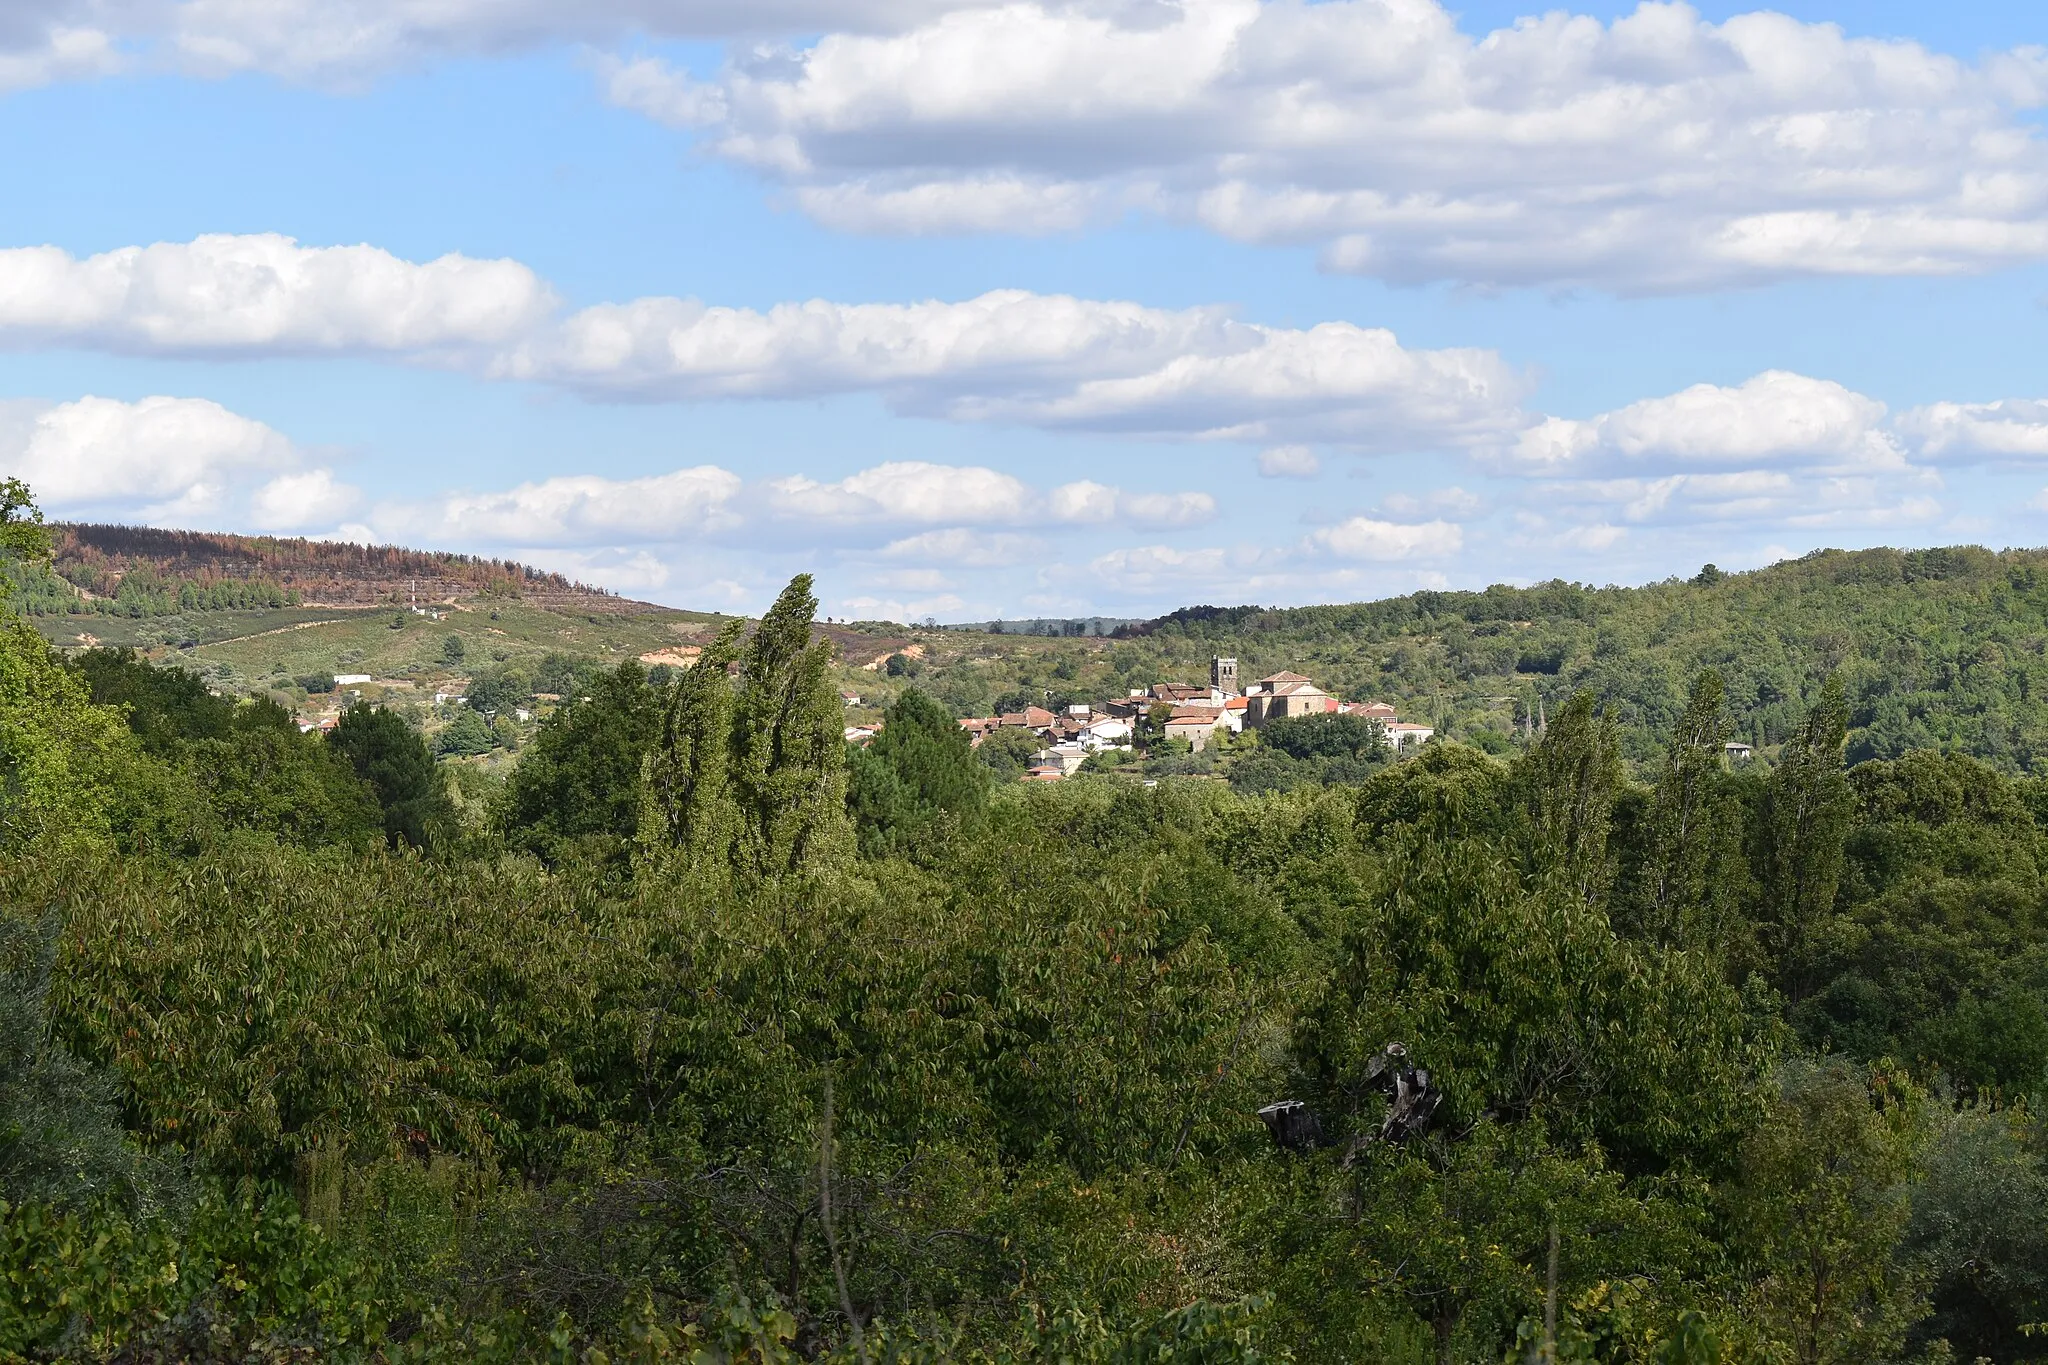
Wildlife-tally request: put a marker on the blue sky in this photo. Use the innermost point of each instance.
(1047, 306)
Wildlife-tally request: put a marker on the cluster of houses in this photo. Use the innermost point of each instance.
(1197, 715)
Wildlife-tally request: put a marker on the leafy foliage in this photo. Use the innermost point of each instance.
(916, 782)
(1733, 1063)
(392, 758)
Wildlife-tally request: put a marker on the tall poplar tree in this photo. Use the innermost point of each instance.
(1568, 783)
(690, 810)
(752, 779)
(788, 768)
(1694, 871)
(1808, 806)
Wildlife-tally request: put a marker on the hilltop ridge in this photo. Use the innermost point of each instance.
(97, 558)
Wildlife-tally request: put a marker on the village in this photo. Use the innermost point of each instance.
(1184, 712)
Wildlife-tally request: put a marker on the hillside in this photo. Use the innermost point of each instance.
(1940, 648)
(103, 560)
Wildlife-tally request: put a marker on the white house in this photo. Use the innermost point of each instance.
(1106, 733)
(1402, 734)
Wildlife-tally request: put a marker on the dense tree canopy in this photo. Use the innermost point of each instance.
(782, 1051)
(579, 779)
(392, 758)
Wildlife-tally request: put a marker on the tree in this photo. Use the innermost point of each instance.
(579, 779)
(690, 810)
(21, 522)
(467, 734)
(1568, 782)
(1980, 1227)
(1007, 751)
(392, 757)
(247, 760)
(61, 1140)
(68, 768)
(498, 690)
(1325, 737)
(1807, 812)
(1820, 1209)
(916, 780)
(788, 768)
(452, 650)
(1693, 869)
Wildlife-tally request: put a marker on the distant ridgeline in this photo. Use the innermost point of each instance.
(1941, 648)
(141, 571)
(1071, 627)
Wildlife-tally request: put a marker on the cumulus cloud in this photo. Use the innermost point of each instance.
(1008, 356)
(264, 293)
(158, 458)
(2013, 428)
(906, 490)
(1386, 542)
(1147, 568)
(1042, 360)
(577, 510)
(294, 502)
(42, 48)
(1289, 462)
(1088, 501)
(966, 547)
(1659, 152)
(1774, 418)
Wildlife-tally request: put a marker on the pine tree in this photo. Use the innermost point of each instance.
(1808, 806)
(918, 776)
(1693, 872)
(392, 757)
(788, 769)
(1569, 780)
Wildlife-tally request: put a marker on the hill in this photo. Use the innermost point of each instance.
(1939, 649)
(136, 565)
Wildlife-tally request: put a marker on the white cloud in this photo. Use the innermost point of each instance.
(293, 502)
(621, 570)
(1087, 501)
(159, 458)
(1659, 152)
(1148, 568)
(36, 50)
(1368, 538)
(1289, 462)
(263, 293)
(966, 548)
(865, 608)
(2015, 428)
(346, 42)
(577, 510)
(1774, 418)
(1454, 501)
(1007, 356)
(1594, 538)
(905, 491)
(1042, 360)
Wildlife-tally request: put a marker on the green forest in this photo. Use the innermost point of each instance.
(1935, 649)
(706, 1037)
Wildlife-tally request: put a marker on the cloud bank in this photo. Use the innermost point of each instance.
(1008, 356)
(1657, 153)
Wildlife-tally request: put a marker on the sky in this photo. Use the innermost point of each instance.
(1012, 308)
